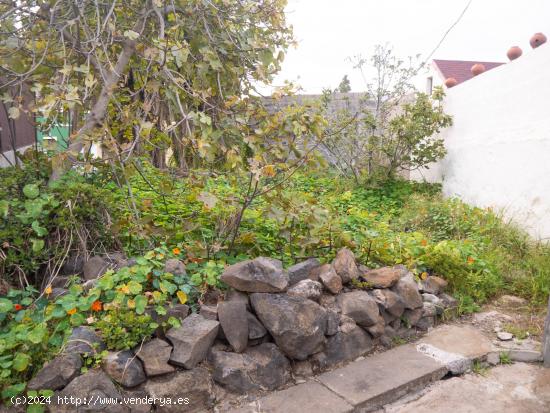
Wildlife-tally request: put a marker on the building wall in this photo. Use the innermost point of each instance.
(499, 146)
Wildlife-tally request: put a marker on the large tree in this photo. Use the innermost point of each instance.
(139, 75)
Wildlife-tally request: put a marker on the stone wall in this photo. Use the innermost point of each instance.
(271, 326)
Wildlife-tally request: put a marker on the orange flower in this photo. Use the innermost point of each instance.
(470, 260)
(71, 311)
(96, 306)
(176, 251)
(17, 307)
(423, 242)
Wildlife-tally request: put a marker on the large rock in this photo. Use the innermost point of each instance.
(433, 285)
(407, 289)
(301, 271)
(260, 275)
(192, 340)
(73, 265)
(389, 301)
(124, 368)
(193, 386)
(345, 266)
(175, 266)
(298, 325)
(411, 317)
(94, 385)
(209, 312)
(384, 277)
(333, 322)
(309, 289)
(329, 278)
(57, 373)
(360, 306)
(344, 346)
(234, 295)
(234, 323)
(377, 329)
(155, 355)
(262, 367)
(84, 340)
(256, 329)
(95, 267)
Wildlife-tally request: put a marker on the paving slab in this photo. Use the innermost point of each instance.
(516, 388)
(303, 398)
(464, 340)
(383, 378)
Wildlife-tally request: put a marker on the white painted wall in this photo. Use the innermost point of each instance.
(499, 146)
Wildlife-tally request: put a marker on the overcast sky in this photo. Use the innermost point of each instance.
(329, 31)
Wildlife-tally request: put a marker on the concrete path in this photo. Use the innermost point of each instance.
(515, 388)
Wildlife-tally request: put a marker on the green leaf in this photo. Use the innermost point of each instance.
(37, 334)
(77, 319)
(31, 191)
(5, 305)
(4, 208)
(40, 231)
(141, 303)
(37, 245)
(36, 408)
(134, 287)
(13, 390)
(21, 362)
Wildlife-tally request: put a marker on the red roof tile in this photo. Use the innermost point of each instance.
(460, 69)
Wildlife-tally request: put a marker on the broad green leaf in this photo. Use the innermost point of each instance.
(37, 245)
(40, 231)
(4, 208)
(21, 361)
(141, 303)
(36, 408)
(5, 305)
(77, 319)
(134, 287)
(31, 191)
(13, 390)
(37, 334)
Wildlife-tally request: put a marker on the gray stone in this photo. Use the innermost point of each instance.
(377, 330)
(333, 322)
(301, 271)
(360, 306)
(260, 275)
(511, 301)
(347, 324)
(388, 318)
(234, 323)
(429, 310)
(56, 293)
(234, 295)
(124, 368)
(262, 367)
(298, 325)
(256, 329)
(431, 298)
(344, 346)
(411, 317)
(433, 285)
(329, 278)
(73, 265)
(384, 277)
(94, 384)
(448, 301)
(57, 373)
(328, 301)
(192, 340)
(380, 379)
(302, 368)
(210, 312)
(194, 385)
(84, 340)
(392, 303)
(95, 267)
(175, 266)
(493, 358)
(179, 311)
(504, 336)
(307, 289)
(525, 356)
(345, 266)
(155, 355)
(407, 289)
(425, 323)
